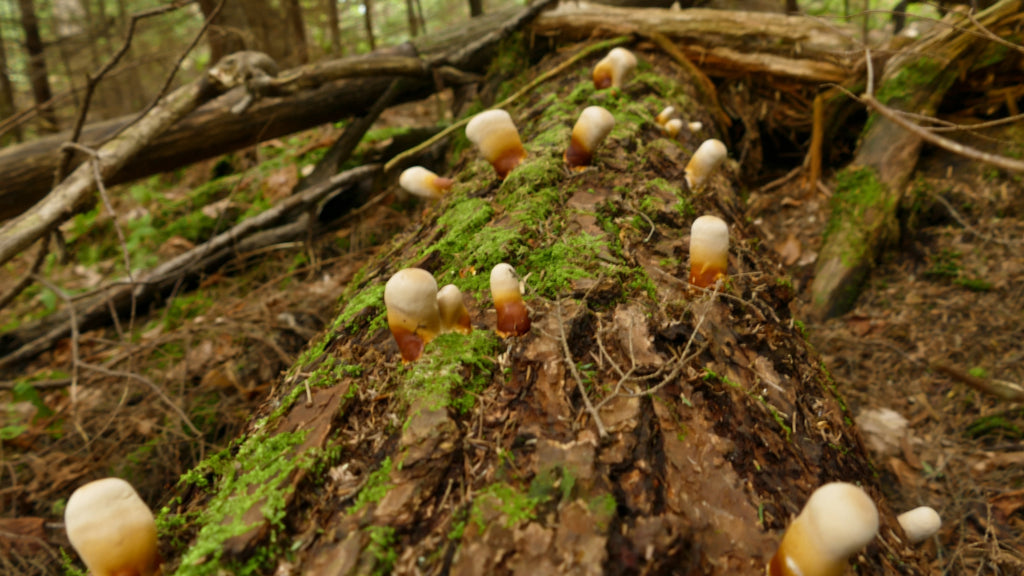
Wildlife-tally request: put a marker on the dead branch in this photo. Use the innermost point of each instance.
(92, 311)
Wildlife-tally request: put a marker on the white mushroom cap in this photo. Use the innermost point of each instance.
(705, 160)
(513, 317)
(709, 250)
(112, 529)
(590, 130)
(920, 523)
(838, 520)
(673, 127)
(496, 136)
(410, 296)
(614, 69)
(454, 315)
(665, 115)
(424, 183)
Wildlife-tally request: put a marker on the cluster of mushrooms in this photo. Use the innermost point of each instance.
(114, 531)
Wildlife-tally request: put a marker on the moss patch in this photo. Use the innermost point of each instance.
(452, 371)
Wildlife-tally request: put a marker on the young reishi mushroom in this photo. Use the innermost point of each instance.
(421, 182)
(920, 524)
(838, 520)
(513, 317)
(708, 156)
(673, 127)
(495, 135)
(709, 250)
(665, 115)
(614, 69)
(413, 316)
(112, 529)
(454, 316)
(590, 130)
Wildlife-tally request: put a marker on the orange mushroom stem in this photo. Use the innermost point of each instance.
(413, 316)
(706, 159)
(709, 250)
(513, 317)
(590, 130)
(614, 69)
(494, 133)
(421, 182)
(112, 529)
(454, 315)
(838, 520)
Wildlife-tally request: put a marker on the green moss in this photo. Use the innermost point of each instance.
(554, 267)
(858, 192)
(371, 297)
(515, 506)
(377, 486)
(381, 547)
(237, 482)
(452, 371)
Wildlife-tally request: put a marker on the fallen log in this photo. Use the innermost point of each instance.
(313, 95)
(642, 425)
(863, 212)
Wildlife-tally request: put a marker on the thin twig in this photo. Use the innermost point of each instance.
(75, 360)
(601, 430)
(156, 389)
(967, 226)
(26, 280)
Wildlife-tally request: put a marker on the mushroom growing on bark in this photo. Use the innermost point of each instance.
(709, 250)
(454, 316)
(513, 317)
(494, 133)
(421, 182)
(708, 157)
(838, 520)
(614, 69)
(590, 130)
(413, 316)
(112, 529)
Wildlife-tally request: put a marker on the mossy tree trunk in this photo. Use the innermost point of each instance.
(715, 419)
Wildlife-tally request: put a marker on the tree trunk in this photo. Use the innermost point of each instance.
(7, 108)
(641, 426)
(334, 24)
(37, 71)
(476, 8)
(410, 14)
(368, 23)
(296, 26)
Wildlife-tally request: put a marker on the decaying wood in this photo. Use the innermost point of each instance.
(330, 91)
(719, 418)
(722, 43)
(863, 219)
(95, 310)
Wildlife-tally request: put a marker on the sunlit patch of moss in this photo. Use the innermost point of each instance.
(252, 476)
(452, 371)
(858, 191)
(530, 192)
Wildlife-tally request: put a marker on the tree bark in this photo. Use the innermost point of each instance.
(476, 8)
(7, 108)
(37, 71)
(334, 25)
(863, 218)
(296, 25)
(710, 419)
(368, 24)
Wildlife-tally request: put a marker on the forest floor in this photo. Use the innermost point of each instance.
(951, 292)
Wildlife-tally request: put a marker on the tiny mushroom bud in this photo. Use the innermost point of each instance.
(424, 183)
(112, 529)
(413, 316)
(710, 154)
(614, 69)
(920, 523)
(673, 127)
(695, 126)
(838, 520)
(665, 115)
(454, 316)
(590, 130)
(709, 250)
(497, 138)
(513, 318)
